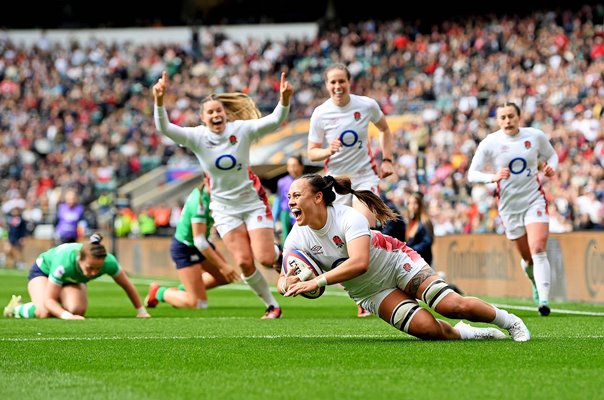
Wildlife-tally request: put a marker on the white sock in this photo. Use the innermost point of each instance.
(503, 319)
(465, 331)
(528, 270)
(259, 285)
(542, 273)
(202, 304)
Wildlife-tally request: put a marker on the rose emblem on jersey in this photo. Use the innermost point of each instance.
(338, 241)
(259, 218)
(527, 144)
(539, 213)
(357, 115)
(232, 139)
(407, 267)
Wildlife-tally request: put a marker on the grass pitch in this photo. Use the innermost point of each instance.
(318, 350)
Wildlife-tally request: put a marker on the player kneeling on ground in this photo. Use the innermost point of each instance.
(379, 272)
(57, 281)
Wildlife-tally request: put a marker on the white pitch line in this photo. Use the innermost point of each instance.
(200, 337)
(554, 310)
(220, 337)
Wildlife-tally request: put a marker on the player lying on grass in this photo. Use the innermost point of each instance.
(57, 281)
(380, 272)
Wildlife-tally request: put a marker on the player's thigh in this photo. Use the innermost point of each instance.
(237, 242)
(191, 279)
(514, 225)
(37, 291)
(263, 245)
(404, 313)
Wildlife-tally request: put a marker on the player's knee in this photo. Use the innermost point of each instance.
(190, 302)
(267, 259)
(247, 266)
(457, 307)
(426, 327)
(77, 310)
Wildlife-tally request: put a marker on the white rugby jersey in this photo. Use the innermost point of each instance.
(329, 247)
(350, 124)
(520, 153)
(225, 156)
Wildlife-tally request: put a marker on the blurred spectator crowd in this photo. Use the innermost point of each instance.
(81, 117)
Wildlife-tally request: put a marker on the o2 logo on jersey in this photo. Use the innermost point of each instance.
(518, 165)
(227, 162)
(349, 138)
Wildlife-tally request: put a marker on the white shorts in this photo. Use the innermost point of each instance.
(368, 181)
(400, 280)
(226, 218)
(515, 224)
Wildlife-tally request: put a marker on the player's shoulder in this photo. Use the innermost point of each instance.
(496, 136)
(323, 107)
(530, 131)
(343, 212)
(363, 100)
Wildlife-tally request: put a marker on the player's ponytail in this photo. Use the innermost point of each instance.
(343, 185)
(94, 247)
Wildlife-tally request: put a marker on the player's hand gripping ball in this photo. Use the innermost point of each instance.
(305, 268)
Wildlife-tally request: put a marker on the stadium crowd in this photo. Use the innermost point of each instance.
(81, 117)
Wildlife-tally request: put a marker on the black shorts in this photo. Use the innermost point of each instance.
(184, 255)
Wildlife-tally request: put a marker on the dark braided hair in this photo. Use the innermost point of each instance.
(342, 185)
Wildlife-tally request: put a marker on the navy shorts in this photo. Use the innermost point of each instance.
(35, 272)
(184, 255)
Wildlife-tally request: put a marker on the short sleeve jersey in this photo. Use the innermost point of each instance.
(61, 265)
(350, 124)
(520, 153)
(329, 247)
(195, 210)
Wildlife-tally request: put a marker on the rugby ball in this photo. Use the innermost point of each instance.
(305, 267)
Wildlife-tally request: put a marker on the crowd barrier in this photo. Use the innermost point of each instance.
(479, 264)
(489, 264)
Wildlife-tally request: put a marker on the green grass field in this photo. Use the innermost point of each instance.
(318, 350)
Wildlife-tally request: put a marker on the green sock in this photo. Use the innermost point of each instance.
(27, 310)
(160, 294)
(181, 287)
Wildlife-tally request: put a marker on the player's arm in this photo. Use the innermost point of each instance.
(475, 173)
(273, 121)
(387, 167)
(206, 249)
(547, 151)
(318, 153)
(122, 279)
(316, 137)
(52, 304)
(356, 265)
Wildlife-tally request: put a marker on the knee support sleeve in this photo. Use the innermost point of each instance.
(435, 292)
(403, 314)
